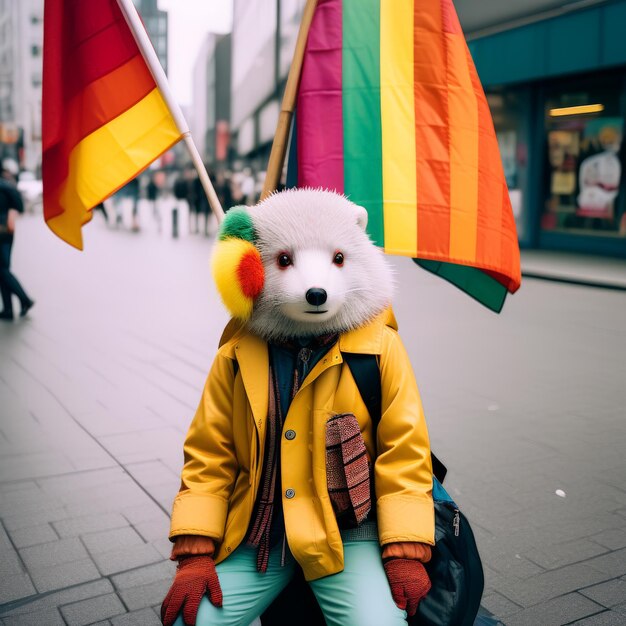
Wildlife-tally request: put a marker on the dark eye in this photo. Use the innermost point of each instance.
(284, 260)
(338, 260)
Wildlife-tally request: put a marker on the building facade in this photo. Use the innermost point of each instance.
(556, 83)
(211, 112)
(21, 66)
(156, 23)
(263, 41)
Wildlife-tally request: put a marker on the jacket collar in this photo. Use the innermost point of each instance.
(252, 354)
(368, 339)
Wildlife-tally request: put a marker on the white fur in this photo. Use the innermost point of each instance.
(311, 226)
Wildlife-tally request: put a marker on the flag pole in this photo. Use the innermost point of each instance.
(152, 60)
(281, 137)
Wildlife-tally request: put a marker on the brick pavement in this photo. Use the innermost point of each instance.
(98, 386)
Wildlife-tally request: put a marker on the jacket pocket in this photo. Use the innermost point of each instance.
(348, 470)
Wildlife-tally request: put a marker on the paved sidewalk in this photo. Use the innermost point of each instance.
(98, 386)
(602, 271)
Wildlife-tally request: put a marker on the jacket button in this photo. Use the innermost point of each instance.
(290, 493)
(290, 434)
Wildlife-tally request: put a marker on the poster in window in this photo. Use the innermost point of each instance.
(600, 173)
(564, 148)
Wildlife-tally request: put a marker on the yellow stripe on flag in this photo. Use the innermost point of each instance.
(397, 116)
(109, 157)
(463, 120)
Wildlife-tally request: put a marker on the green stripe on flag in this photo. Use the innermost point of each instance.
(362, 131)
(473, 281)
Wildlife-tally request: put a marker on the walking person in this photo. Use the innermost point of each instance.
(202, 202)
(10, 205)
(181, 190)
(152, 193)
(100, 207)
(132, 187)
(223, 190)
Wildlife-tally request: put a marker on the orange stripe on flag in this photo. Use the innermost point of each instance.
(463, 118)
(108, 158)
(106, 98)
(431, 133)
(490, 182)
(99, 103)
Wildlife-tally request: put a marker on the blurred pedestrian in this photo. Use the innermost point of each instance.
(10, 205)
(152, 193)
(247, 186)
(182, 193)
(223, 190)
(132, 188)
(100, 207)
(237, 195)
(202, 203)
(195, 208)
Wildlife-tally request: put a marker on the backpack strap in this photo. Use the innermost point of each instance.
(366, 373)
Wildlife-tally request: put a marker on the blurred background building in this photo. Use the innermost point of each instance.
(209, 117)
(21, 48)
(155, 22)
(264, 38)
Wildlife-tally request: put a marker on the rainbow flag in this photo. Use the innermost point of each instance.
(104, 119)
(391, 112)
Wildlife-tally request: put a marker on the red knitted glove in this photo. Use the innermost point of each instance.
(409, 583)
(195, 576)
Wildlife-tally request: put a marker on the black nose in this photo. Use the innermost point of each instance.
(316, 296)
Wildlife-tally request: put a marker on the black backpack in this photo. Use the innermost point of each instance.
(455, 569)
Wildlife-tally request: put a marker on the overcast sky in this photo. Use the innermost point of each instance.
(189, 22)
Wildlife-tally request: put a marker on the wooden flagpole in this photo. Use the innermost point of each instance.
(281, 137)
(152, 60)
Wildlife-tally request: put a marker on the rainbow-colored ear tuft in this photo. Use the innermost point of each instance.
(236, 264)
(237, 224)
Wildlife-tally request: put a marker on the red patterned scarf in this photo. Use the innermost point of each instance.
(347, 470)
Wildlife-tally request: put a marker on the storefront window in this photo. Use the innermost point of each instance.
(585, 129)
(509, 109)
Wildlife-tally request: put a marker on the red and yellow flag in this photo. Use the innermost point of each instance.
(391, 112)
(104, 118)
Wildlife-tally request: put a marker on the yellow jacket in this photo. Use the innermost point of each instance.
(224, 449)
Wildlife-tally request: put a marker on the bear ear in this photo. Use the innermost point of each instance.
(237, 224)
(361, 216)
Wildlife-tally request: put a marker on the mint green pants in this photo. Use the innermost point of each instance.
(358, 596)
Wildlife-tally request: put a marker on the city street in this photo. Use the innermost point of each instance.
(99, 383)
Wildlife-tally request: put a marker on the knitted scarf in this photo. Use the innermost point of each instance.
(347, 470)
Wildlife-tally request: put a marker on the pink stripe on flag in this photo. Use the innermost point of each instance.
(319, 112)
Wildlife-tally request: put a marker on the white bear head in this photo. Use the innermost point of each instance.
(300, 264)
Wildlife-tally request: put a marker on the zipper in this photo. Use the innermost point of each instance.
(304, 356)
(457, 522)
